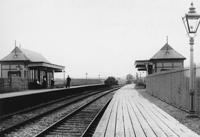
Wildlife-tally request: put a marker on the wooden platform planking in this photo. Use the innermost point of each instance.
(171, 122)
(102, 126)
(110, 131)
(119, 131)
(131, 115)
(135, 122)
(176, 125)
(146, 127)
(151, 121)
(128, 126)
(159, 127)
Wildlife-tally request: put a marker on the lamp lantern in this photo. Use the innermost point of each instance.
(191, 21)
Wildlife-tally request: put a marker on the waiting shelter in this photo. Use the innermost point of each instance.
(35, 70)
(165, 59)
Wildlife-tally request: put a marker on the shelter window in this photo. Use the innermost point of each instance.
(14, 74)
(178, 64)
(167, 64)
(4, 73)
(5, 66)
(17, 67)
(159, 65)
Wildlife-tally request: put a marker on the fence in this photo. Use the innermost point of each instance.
(78, 82)
(173, 88)
(13, 84)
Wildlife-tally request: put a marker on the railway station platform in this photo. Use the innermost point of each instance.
(36, 91)
(129, 114)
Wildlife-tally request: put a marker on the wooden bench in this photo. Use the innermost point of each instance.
(131, 115)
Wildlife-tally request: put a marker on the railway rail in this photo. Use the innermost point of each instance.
(79, 122)
(54, 111)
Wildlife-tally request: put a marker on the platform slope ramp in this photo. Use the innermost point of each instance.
(129, 114)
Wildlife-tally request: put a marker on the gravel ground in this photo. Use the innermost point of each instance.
(191, 123)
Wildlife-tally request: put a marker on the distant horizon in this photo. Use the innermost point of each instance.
(62, 77)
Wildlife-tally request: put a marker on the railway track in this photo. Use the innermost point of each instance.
(21, 128)
(78, 123)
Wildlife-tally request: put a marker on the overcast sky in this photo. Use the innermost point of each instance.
(95, 36)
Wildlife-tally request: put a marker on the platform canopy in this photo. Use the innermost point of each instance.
(141, 65)
(33, 59)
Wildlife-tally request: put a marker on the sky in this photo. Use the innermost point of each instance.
(98, 37)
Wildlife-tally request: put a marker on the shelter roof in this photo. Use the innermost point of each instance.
(35, 59)
(167, 52)
(19, 54)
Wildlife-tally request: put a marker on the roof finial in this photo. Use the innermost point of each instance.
(15, 49)
(15, 43)
(167, 39)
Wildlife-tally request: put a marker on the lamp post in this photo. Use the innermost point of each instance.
(191, 22)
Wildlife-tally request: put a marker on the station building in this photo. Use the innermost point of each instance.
(165, 59)
(28, 68)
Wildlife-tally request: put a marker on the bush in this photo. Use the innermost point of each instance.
(110, 81)
(140, 84)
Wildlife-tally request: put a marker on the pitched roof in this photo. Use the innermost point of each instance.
(19, 54)
(167, 52)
